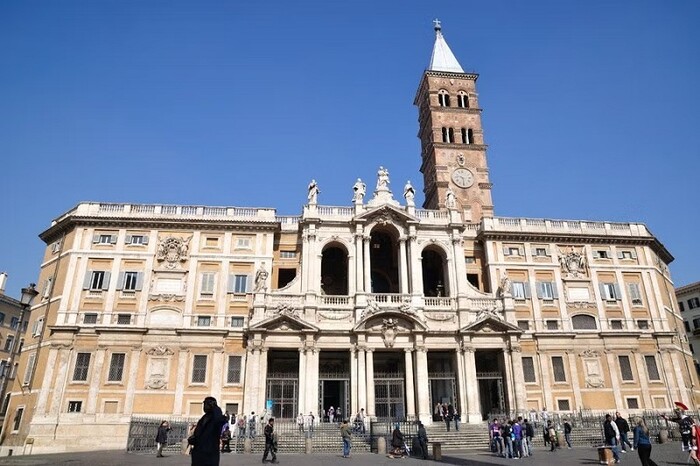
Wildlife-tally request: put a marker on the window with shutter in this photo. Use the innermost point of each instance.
(558, 369)
(635, 294)
(240, 284)
(129, 281)
(519, 289)
(29, 369)
(625, 368)
(116, 367)
(82, 364)
(529, 370)
(652, 369)
(234, 369)
(207, 286)
(632, 403)
(199, 369)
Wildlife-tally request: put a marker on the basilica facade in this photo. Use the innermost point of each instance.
(377, 305)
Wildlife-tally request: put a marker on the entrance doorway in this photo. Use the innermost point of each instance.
(389, 380)
(492, 390)
(443, 382)
(334, 385)
(282, 394)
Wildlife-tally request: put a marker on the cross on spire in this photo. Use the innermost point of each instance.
(436, 22)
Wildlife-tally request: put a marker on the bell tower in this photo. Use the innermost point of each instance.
(453, 153)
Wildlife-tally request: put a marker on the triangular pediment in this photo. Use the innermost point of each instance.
(490, 324)
(386, 213)
(284, 322)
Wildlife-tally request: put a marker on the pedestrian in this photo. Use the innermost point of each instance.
(270, 441)
(162, 438)
(226, 439)
(190, 432)
(456, 417)
(695, 441)
(311, 419)
(686, 427)
(507, 434)
(437, 413)
(612, 436)
(207, 435)
(567, 433)
(300, 422)
(624, 428)
(346, 435)
(360, 420)
(240, 426)
(397, 442)
(423, 440)
(529, 434)
(495, 437)
(252, 420)
(642, 443)
(449, 411)
(545, 433)
(552, 435)
(517, 440)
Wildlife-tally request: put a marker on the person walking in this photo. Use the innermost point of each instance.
(529, 435)
(612, 436)
(624, 428)
(311, 420)
(346, 435)
(448, 416)
(252, 420)
(642, 443)
(240, 426)
(423, 440)
(226, 439)
(552, 436)
(567, 433)
(270, 441)
(162, 438)
(206, 438)
(397, 442)
(360, 419)
(331, 414)
(456, 417)
(300, 422)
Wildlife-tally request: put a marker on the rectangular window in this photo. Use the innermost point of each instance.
(632, 403)
(116, 367)
(469, 260)
(524, 325)
(137, 240)
(616, 324)
(242, 243)
(546, 291)
(2, 318)
(14, 323)
(625, 368)
(55, 247)
(635, 294)
(609, 291)
(686, 325)
(552, 325)
(693, 303)
(38, 327)
(90, 318)
(82, 364)
(18, 419)
(288, 254)
(237, 322)
(540, 252)
(240, 284)
(130, 281)
(29, 369)
(696, 323)
(97, 280)
(234, 369)
(563, 405)
(48, 285)
(5, 404)
(520, 290)
(513, 252)
(203, 321)
(207, 286)
(652, 369)
(211, 242)
(123, 319)
(199, 369)
(529, 370)
(105, 239)
(75, 406)
(558, 369)
(643, 324)
(627, 255)
(680, 306)
(9, 343)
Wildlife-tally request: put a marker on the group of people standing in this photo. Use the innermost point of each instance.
(616, 433)
(447, 413)
(511, 438)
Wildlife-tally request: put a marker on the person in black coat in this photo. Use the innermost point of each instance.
(206, 437)
(162, 438)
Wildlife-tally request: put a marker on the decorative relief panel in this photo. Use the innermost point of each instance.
(157, 378)
(573, 263)
(172, 251)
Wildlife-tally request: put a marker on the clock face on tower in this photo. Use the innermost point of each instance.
(462, 177)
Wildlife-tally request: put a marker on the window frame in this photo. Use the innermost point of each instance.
(116, 365)
(534, 371)
(622, 369)
(647, 359)
(201, 372)
(82, 366)
(231, 369)
(563, 370)
(73, 404)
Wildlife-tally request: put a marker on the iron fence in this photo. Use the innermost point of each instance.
(143, 430)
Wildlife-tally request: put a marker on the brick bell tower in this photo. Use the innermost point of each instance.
(453, 153)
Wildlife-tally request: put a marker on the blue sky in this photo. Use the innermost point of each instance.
(590, 108)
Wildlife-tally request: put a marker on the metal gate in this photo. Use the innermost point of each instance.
(491, 393)
(283, 390)
(389, 402)
(344, 398)
(443, 389)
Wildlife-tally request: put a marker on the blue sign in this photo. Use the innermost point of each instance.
(269, 404)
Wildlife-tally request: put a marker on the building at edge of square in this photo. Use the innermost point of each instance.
(378, 304)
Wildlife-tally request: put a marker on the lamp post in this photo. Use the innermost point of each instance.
(28, 295)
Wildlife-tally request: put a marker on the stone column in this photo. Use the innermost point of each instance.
(361, 380)
(302, 381)
(461, 386)
(217, 370)
(368, 265)
(312, 358)
(359, 262)
(354, 408)
(134, 360)
(403, 266)
(473, 407)
(517, 362)
(262, 381)
(510, 383)
(181, 381)
(460, 267)
(59, 383)
(410, 393)
(575, 380)
(614, 379)
(370, 381)
(46, 388)
(424, 409)
(416, 272)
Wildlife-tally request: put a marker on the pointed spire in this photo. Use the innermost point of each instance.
(442, 58)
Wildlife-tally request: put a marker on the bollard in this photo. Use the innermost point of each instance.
(309, 446)
(381, 445)
(247, 446)
(9, 452)
(437, 451)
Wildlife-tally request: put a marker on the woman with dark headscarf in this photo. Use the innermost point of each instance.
(206, 437)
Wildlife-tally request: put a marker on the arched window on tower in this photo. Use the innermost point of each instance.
(451, 135)
(470, 136)
(463, 99)
(444, 134)
(444, 98)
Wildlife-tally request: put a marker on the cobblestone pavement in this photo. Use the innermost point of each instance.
(667, 454)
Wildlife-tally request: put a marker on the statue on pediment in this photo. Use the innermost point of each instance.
(409, 193)
(261, 279)
(383, 179)
(359, 189)
(450, 199)
(313, 192)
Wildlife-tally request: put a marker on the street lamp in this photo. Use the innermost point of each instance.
(28, 295)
